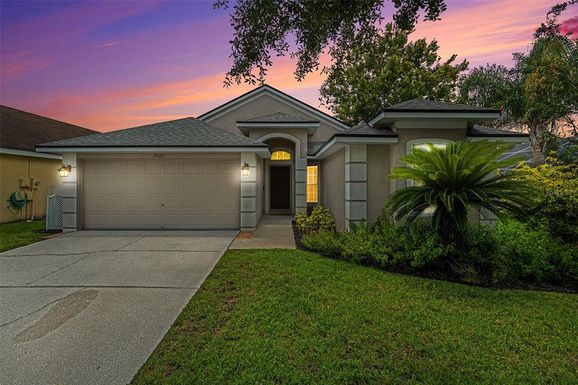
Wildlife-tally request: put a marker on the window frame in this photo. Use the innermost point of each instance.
(281, 149)
(307, 184)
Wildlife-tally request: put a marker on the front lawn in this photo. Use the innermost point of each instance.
(17, 234)
(293, 317)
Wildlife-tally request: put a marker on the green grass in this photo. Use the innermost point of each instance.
(292, 317)
(17, 234)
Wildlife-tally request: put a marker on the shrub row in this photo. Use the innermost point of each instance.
(508, 255)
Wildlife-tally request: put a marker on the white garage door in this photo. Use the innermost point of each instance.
(192, 193)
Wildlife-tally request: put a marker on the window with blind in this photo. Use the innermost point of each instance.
(312, 184)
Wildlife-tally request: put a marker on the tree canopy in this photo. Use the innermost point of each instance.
(538, 91)
(384, 69)
(305, 28)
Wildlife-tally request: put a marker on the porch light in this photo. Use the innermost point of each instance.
(245, 169)
(65, 170)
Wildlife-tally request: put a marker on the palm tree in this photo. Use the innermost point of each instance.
(452, 180)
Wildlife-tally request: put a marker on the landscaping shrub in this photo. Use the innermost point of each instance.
(320, 220)
(509, 255)
(557, 208)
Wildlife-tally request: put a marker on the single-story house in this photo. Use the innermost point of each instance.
(263, 152)
(22, 169)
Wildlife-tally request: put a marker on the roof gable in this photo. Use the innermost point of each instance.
(278, 95)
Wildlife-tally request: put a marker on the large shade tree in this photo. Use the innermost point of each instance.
(305, 28)
(539, 91)
(383, 69)
(452, 180)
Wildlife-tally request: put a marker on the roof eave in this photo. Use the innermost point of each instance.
(471, 116)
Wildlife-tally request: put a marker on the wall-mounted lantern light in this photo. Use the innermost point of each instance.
(245, 169)
(64, 170)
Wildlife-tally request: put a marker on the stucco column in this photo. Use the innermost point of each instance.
(355, 184)
(249, 193)
(69, 193)
(300, 185)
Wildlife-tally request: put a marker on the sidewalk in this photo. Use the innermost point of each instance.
(274, 232)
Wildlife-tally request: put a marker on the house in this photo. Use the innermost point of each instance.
(22, 169)
(264, 152)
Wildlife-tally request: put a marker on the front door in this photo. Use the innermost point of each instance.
(280, 188)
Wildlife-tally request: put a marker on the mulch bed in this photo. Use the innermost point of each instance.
(298, 235)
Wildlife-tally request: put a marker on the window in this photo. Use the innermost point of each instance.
(280, 155)
(312, 189)
(423, 144)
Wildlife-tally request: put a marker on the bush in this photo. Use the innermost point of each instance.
(509, 255)
(557, 208)
(385, 245)
(320, 220)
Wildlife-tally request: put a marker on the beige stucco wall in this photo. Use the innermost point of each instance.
(378, 182)
(266, 104)
(14, 167)
(333, 186)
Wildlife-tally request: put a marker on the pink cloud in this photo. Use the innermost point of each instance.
(570, 26)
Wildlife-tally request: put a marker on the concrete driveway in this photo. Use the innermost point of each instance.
(90, 307)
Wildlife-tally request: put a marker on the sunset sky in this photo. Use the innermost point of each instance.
(115, 64)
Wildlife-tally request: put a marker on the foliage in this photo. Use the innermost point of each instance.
(320, 220)
(509, 255)
(557, 208)
(452, 180)
(384, 69)
(305, 28)
(293, 317)
(538, 91)
(562, 150)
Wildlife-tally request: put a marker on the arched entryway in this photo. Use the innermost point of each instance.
(284, 184)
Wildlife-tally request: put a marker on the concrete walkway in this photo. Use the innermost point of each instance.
(274, 232)
(90, 307)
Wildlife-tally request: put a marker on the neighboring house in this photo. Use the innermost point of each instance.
(20, 132)
(264, 152)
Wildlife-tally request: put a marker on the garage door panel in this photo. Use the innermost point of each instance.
(209, 167)
(153, 168)
(173, 167)
(135, 168)
(192, 167)
(162, 193)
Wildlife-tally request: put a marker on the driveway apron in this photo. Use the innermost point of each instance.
(90, 307)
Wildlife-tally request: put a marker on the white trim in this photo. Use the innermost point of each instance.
(261, 151)
(284, 136)
(10, 151)
(258, 92)
(393, 116)
(343, 140)
(505, 139)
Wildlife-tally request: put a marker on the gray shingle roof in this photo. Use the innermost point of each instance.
(365, 129)
(186, 132)
(280, 117)
(482, 131)
(423, 105)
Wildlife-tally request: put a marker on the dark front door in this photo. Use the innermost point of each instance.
(280, 188)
